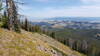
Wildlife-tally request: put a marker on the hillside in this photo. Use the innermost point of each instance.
(32, 44)
(80, 35)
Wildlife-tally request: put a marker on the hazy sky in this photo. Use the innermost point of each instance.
(59, 8)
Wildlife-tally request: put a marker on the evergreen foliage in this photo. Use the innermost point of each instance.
(52, 34)
(26, 25)
(1, 8)
(5, 20)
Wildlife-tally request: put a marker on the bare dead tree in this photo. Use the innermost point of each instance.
(12, 15)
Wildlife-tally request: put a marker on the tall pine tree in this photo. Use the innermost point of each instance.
(26, 27)
(12, 16)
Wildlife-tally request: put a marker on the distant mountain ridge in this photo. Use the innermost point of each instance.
(75, 18)
(71, 22)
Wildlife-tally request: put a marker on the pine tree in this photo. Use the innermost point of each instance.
(22, 24)
(52, 34)
(0, 9)
(12, 16)
(37, 28)
(1, 5)
(84, 46)
(75, 45)
(71, 41)
(4, 20)
(64, 41)
(26, 25)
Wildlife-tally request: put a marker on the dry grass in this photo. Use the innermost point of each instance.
(13, 44)
(29, 44)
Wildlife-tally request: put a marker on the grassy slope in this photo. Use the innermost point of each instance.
(31, 44)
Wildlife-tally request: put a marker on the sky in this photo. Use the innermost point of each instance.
(60, 8)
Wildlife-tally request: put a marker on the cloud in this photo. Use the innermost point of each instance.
(85, 1)
(42, 0)
(82, 11)
(90, 1)
(52, 0)
(75, 11)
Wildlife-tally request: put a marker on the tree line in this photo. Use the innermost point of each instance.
(81, 46)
